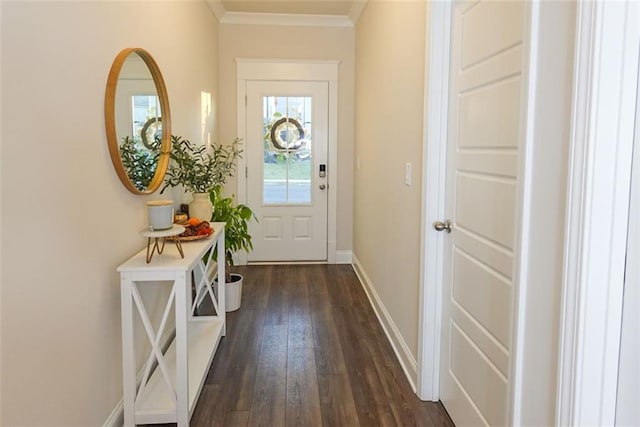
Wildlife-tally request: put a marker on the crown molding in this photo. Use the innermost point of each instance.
(286, 19)
(217, 8)
(357, 7)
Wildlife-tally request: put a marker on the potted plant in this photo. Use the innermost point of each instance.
(236, 238)
(199, 169)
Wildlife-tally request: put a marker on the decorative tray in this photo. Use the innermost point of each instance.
(190, 238)
(193, 231)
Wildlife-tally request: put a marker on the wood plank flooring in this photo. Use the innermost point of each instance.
(306, 349)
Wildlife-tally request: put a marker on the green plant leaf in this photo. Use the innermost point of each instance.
(236, 218)
(199, 169)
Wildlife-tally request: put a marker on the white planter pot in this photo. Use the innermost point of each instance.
(232, 293)
(201, 207)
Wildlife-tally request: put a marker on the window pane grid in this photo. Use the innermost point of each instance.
(287, 162)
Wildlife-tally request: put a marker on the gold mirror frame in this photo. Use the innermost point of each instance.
(110, 122)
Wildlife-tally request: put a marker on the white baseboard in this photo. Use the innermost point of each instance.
(338, 257)
(399, 345)
(343, 257)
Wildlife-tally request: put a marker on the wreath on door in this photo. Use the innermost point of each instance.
(287, 134)
(151, 132)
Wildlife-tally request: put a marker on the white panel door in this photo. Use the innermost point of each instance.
(287, 131)
(482, 159)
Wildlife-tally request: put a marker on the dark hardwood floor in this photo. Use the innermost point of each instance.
(306, 349)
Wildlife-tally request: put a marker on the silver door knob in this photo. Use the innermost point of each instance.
(322, 186)
(442, 226)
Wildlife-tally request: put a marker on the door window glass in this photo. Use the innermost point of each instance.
(287, 162)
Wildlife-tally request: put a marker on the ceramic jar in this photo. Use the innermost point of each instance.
(201, 207)
(160, 214)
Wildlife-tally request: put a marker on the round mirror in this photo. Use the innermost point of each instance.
(138, 121)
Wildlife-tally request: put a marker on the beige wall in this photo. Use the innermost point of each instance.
(390, 54)
(274, 42)
(67, 221)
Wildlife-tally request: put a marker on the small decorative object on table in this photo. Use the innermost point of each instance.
(159, 238)
(181, 218)
(194, 229)
(160, 214)
(201, 206)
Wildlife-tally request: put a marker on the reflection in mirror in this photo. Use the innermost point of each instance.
(138, 101)
(151, 132)
(137, 105)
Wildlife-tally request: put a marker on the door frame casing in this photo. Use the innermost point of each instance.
(601, 144)
(294, 70)
(434, 155)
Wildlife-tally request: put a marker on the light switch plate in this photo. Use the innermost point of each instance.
(407, 174)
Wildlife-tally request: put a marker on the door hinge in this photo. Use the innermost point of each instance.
(246, 172)
(245, 100)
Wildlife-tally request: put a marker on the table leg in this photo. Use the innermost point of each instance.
(154, 248)
(179, 246)
(221, 280)
(128, 346)
(183, 292)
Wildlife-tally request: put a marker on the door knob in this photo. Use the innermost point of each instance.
(322, 186)
(442, 226)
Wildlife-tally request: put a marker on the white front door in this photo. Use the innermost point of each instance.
(482, 162)
(287, 133)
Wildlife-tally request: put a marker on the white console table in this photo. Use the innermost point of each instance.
(170, 392)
